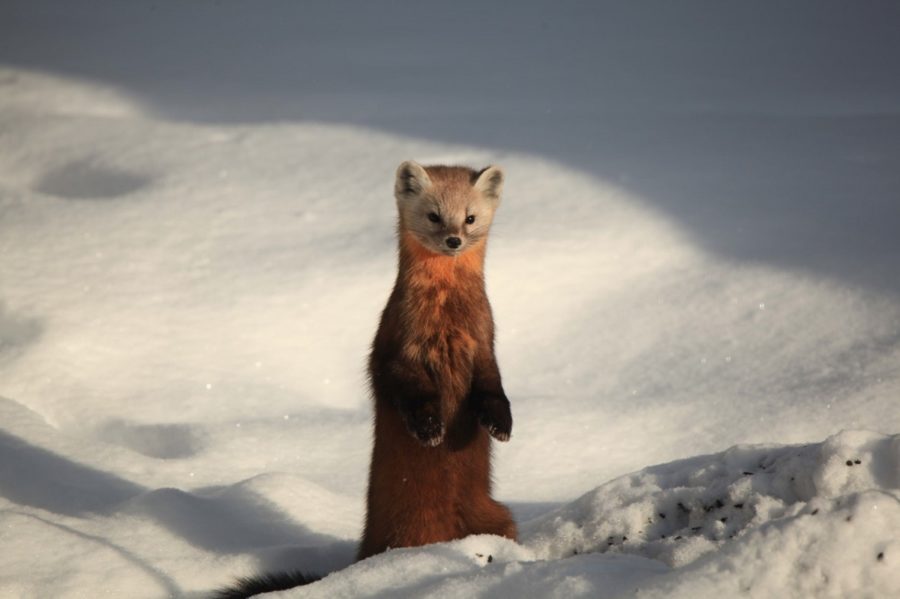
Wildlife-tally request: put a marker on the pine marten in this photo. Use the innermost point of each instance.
(437, 388)
(434, 376)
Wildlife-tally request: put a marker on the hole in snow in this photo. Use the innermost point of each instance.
(82, 180)
(164, 441)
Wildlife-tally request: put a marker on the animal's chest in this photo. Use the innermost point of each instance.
(443, 334)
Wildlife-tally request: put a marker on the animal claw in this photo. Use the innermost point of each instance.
(498, 434)
(428, 430)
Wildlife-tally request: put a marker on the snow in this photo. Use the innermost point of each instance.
(753, 520)
(697, 250)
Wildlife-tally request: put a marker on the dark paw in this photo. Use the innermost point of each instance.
(496, 417)
(426, 427)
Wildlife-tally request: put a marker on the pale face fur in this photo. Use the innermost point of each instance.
(447, 209)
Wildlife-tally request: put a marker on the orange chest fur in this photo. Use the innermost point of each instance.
(442, 314)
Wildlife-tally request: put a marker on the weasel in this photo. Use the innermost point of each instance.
(433, 373)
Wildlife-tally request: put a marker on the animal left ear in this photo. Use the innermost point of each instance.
(490, 182)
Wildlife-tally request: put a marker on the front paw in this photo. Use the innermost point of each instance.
(495, 416)
(426, 426)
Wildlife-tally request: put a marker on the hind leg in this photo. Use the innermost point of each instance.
(489, 517)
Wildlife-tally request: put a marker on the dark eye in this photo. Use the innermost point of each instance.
(470, 219)
(433, 217)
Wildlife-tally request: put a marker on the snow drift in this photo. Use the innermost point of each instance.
(816, 520)
(186, 304)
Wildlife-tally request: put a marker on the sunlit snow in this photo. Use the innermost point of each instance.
(693, 276)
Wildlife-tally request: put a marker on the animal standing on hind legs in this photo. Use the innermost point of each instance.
(434, 376)
(438, 394)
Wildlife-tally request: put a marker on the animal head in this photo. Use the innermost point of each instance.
(448, 209)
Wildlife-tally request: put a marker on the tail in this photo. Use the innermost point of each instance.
(265, 583)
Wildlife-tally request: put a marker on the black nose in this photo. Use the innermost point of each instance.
(454, 242)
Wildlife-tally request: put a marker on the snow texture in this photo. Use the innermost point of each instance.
(697, 249)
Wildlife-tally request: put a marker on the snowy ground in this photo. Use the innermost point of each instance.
(697, 250)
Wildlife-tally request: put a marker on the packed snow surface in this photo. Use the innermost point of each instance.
(194, 255)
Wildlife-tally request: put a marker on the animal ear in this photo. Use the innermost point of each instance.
(490, 182)
(411, 181)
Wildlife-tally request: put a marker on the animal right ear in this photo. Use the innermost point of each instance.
(411, 181)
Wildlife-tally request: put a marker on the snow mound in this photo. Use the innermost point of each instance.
(760, 521)
(681, 511)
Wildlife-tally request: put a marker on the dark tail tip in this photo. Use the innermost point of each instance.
(265, 583)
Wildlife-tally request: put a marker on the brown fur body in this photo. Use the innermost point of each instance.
(437, 389)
